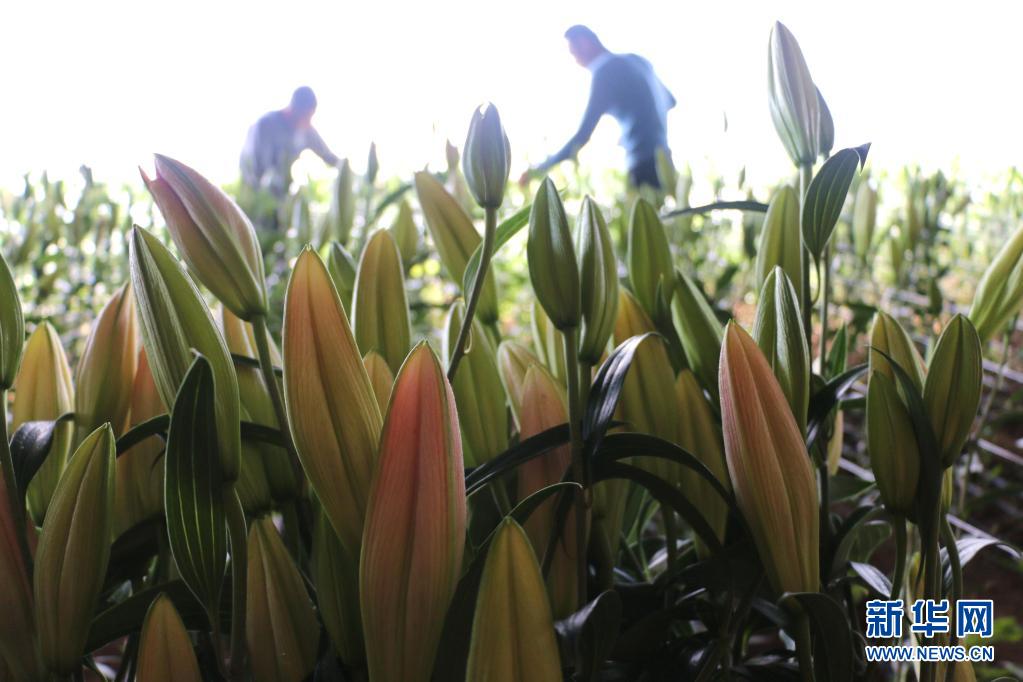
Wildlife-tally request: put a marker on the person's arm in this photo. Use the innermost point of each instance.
(596, 107)
(315, 143)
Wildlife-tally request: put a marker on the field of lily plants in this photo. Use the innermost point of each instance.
(448, 428)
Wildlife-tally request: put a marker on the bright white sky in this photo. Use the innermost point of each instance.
(107, 82)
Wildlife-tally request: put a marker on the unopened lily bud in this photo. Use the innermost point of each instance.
(43, 393)
(74, 548)
(106, 369)
(891, 442)
(769, 466)
(478, 392)
(342, 205)
(12, 327)
(455, 239)
(888, 336)
(281, 631)
(138, 493)
(17, 627)
(487, 159)
(513, 636)
(415, 525)
(699, 434)
(552, 263)
(781, 239)
(380, 306)
(827, 129)
(953, 386)
(598, 279)
(405, 233)
(342, 268)
(699, 330)
(175, 320)
(864, 219)
(649, 258)
(999, 293)
(549, 342)
(381, 378)
(792, 96)
(214, 236)
(778, 330)
(834, 450)
(513, 360)
(372, 164)
(165, 649)
(335, 573)
(335, 419)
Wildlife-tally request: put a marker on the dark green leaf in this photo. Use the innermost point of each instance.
(505, 231)
(717, 206)
(825, 197)
(30, 445)
(834, 656)
(154, 426)
(873, 577)
(968, 548)
(847, 533)
(843, 487)
(590, 633)
(127, 616)
(193, 495)
(607, 389)
(261, 433)
(824, 400)
(839, 351)
(521, 452)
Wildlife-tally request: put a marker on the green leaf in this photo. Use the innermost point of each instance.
(968, 548)
(607, 389)
(505, 231)
(873, 577)
(193, 495)
(833, 653)
(717, 206)
(591, 632)
(521, 452)
(825, 400)
(127, 616)
(154, 426)
(29, 447)
(822, 205)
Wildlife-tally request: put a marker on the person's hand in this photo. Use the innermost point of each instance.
(525, 178)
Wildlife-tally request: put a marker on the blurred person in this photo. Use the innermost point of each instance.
(276, 140)
(626, 87)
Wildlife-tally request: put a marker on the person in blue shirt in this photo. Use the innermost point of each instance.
(625, 87)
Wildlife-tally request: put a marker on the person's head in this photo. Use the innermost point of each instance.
(584, 44)
(302, 106)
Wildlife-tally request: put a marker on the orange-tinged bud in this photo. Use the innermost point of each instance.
(139, 490)
(513, 360)
(380, 307)
(44, 392)
(17, 627)
(280, 626)
(512, 634)
(74, 548)
(415, 524)
(769, 465)
(106, 370)
(380, 377)
(215, 237)
(165, 649)
(335, 419)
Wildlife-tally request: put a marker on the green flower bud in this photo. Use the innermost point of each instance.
(74, 548)
(888, 336)
(552, 264)
(12, 327)
(380, 307)
(699, 331)
(335, 573)
(478, 393)
(381, 378)
(649, 257)
(778, 330)
(549, 343)
(864, 219)
(513, 361)
(487, 157)
(953, 385)
(827, 131)
(165, 649)
(792, 96)
(342, 269)
(342, 206)
(405, 233)
(1000, 290)
(781, 239)
(894, 454)
(598, 278)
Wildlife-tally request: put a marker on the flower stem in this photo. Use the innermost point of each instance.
(949, 538)
(579, 474)
(805, 175)
(489, 237)
(266, 366)
(13, 498)
(238, 533)
(804, 648)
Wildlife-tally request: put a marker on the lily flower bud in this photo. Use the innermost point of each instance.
(405, 233)
(888, 336)
(649, 258)
(513, 636)
(335, 419)
(769, 466)
(342, 268)
(12, 327)
(74, 548)
(165, 649)
(549, 342)
(953, 386)
(699, 331)
(891, 442)
(1000, 290)
(598, 278)
(381, 378)
(781, 237)
(778, 330)
(864, 219)
(487, 157)
(138, 494)
(212, 233)
(552, 264)
(280, 625)
(335, 573)
(342, 204)
(415, 525)
(380, 307)
(793, 98)
(513, 360)
(44, 392)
